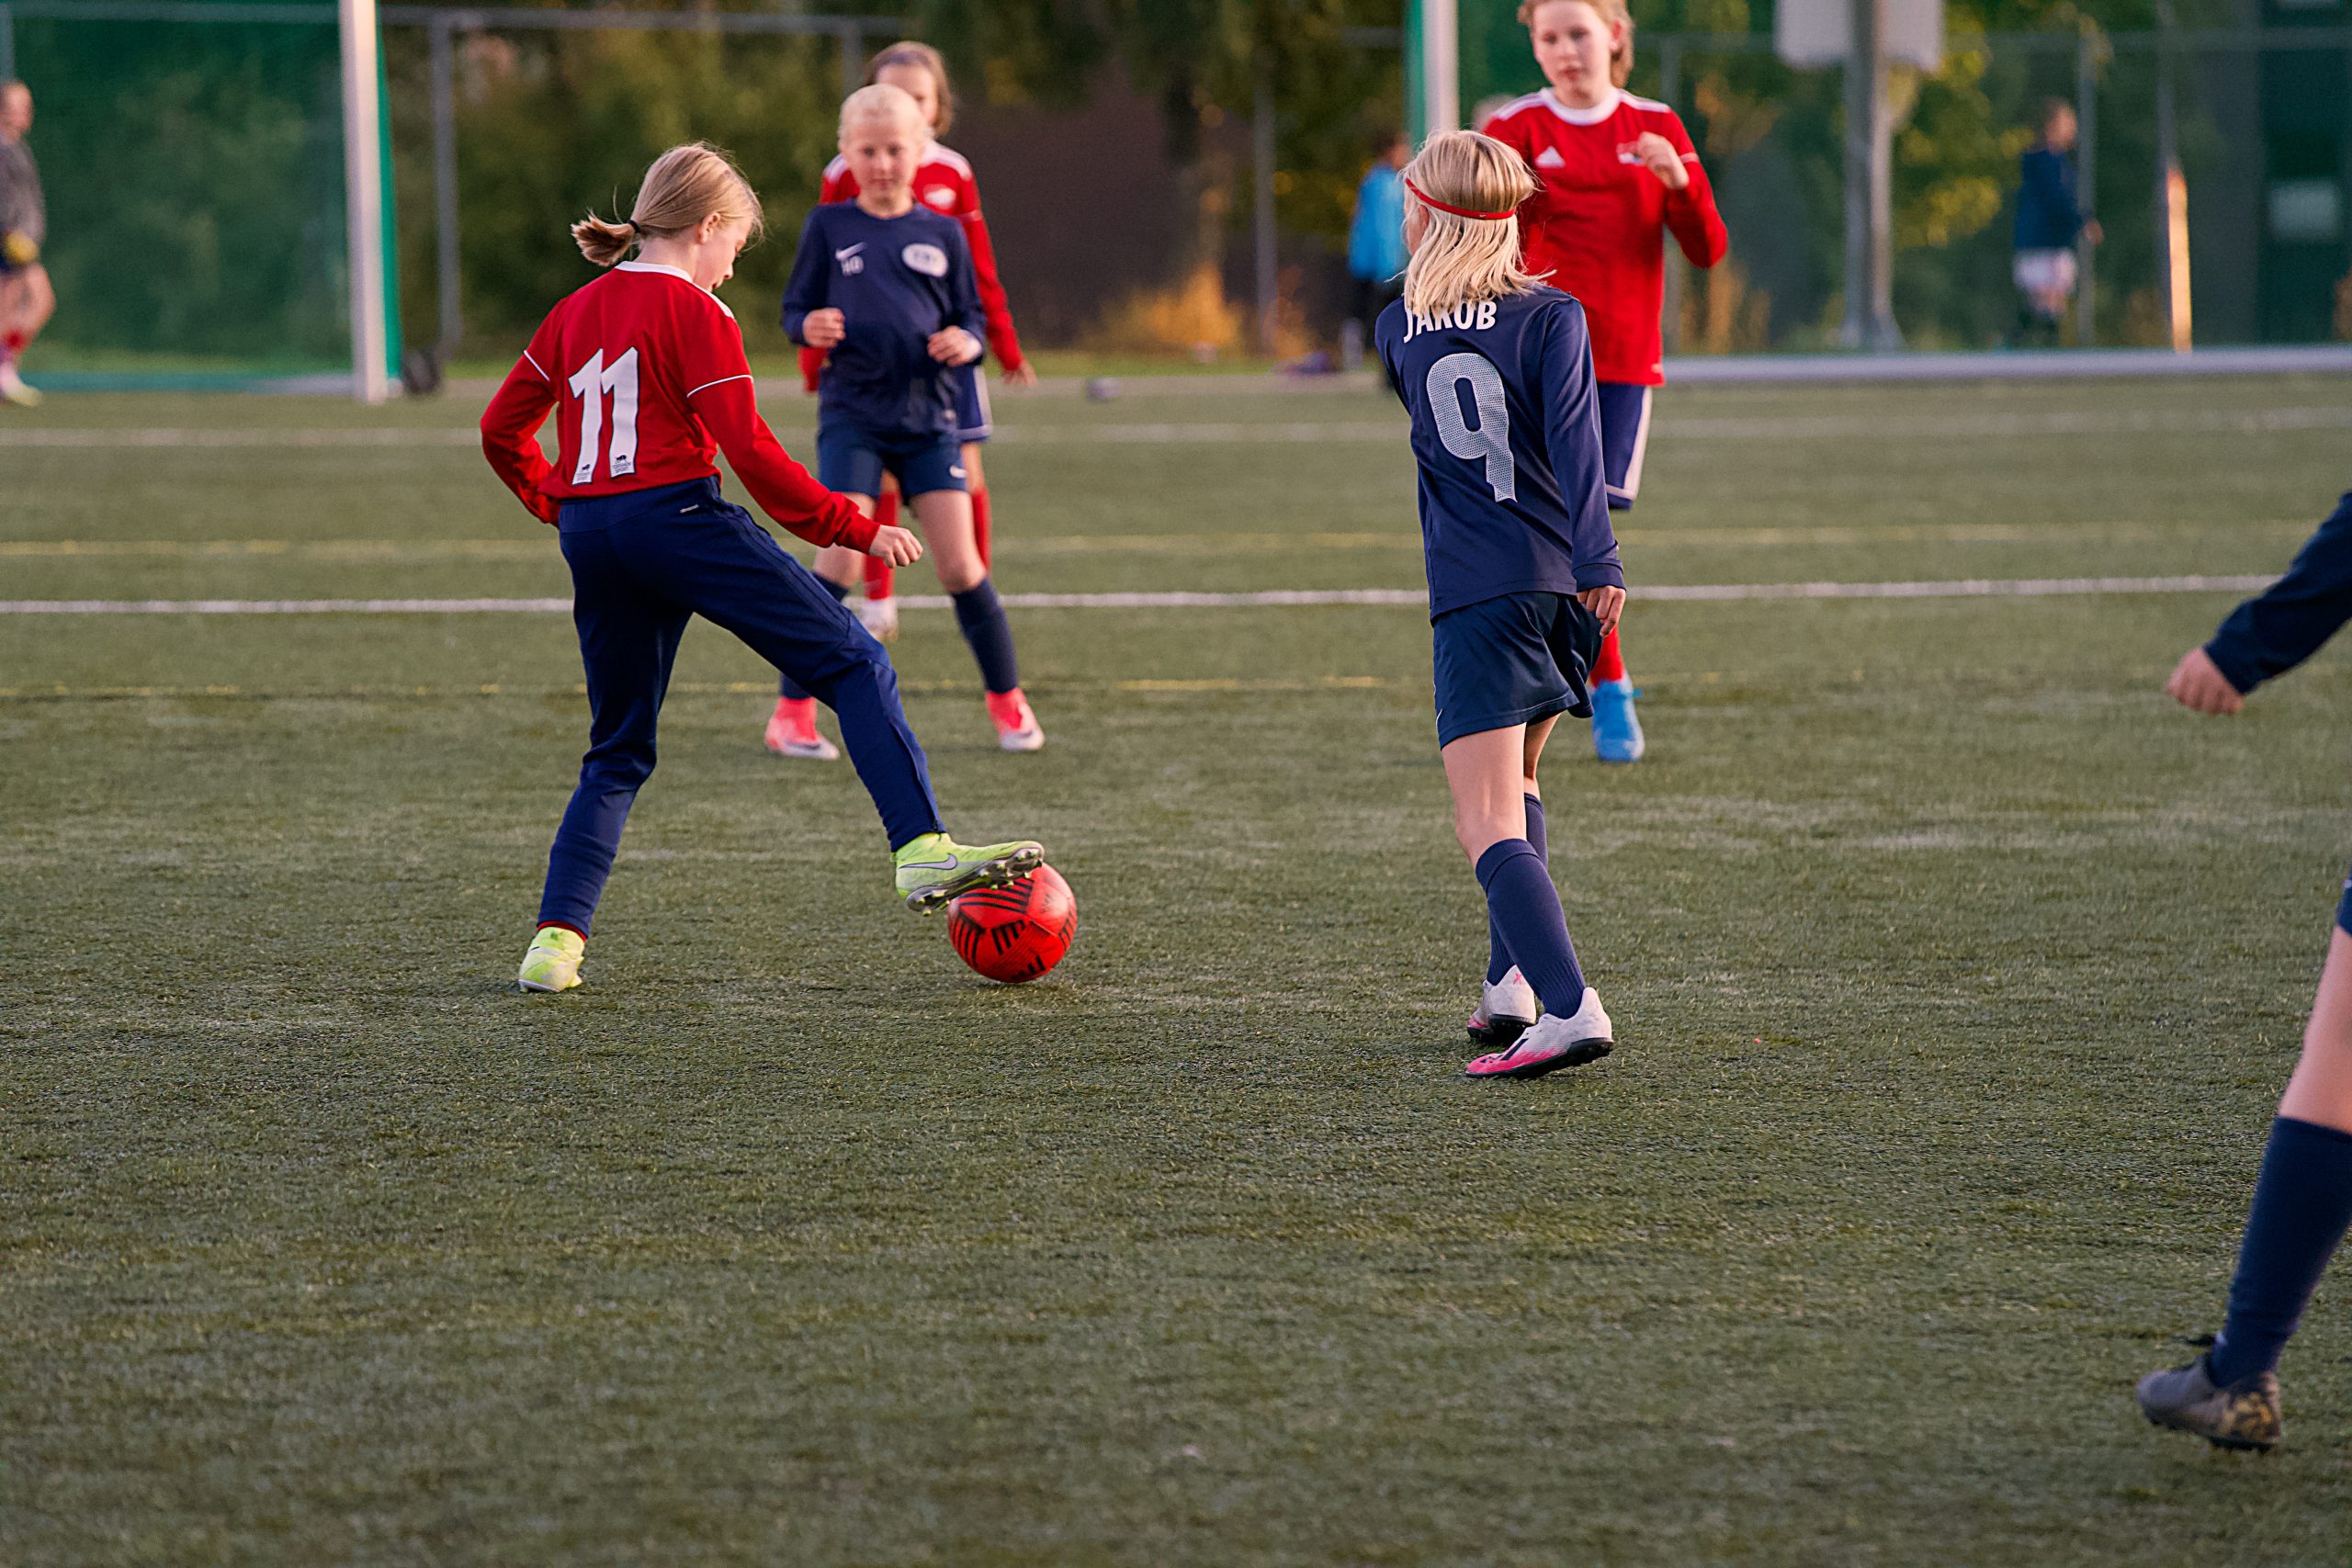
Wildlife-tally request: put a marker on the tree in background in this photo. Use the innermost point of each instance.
(548, 122)
(551, 123)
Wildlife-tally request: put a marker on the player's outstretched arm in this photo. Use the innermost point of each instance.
(784, 490)
(964, 339)
(1691, 212)
(510, 436)
(805, 291)
(1004, 342)
(2278, 628)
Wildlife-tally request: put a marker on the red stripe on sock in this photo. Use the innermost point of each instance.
(1610, 665)
(564, 925)
(879, 576)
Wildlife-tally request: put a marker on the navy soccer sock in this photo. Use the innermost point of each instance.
(2302, 1203)
(1498, 950)
(1523, 905)
(981, 615)
(785, 686)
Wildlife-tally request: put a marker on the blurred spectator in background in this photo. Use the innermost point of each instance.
(2049, 222)
(1375, 248)
(25, 299)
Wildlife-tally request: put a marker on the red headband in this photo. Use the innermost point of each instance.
(1429, 200)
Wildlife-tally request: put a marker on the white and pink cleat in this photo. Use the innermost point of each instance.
(1506, 1011)
(1554, 1042)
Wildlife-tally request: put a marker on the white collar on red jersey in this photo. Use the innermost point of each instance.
(1593, 116)
(678, 273)
(656, 266)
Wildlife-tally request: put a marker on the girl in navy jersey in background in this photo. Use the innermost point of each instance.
(645, 370)
(1614, 174)
(1496, 372)
(944, 183)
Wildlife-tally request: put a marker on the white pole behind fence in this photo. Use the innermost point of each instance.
(363, 188)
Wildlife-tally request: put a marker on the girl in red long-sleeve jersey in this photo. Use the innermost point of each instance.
(644, 370)
(1614, 174)
(944, 183)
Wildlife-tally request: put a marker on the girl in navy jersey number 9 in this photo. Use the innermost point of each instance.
(1496, 371)
(646, 370)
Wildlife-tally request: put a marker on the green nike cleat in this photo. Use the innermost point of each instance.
(552, 963)
(935, 868)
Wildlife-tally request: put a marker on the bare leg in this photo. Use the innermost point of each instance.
(946, 518)
(2321, 1090)
(1490, 773)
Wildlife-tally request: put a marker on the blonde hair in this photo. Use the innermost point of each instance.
(1620, 55)
(684, 186)
(876, 99)
(908, 52)
(1463, 260)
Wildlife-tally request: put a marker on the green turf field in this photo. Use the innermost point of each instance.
(1955, 973)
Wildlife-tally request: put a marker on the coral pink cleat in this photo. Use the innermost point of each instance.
(1016, 724)
(792, 732)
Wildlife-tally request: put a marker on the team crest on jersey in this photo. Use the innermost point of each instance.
(940, 197)
(928, 260)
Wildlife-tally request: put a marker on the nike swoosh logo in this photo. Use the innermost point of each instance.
(929, 866)
(844, 255)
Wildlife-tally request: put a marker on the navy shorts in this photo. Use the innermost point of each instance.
(973, 422)
(2343, 909)
(1512, 661)
(852, 460)
(1624, 440)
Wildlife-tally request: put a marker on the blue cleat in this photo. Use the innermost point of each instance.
(1616, 728)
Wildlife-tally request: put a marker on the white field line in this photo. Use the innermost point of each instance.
(540, 547)
(1278, 432)
(1293, 598)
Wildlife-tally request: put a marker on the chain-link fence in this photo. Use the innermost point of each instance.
(192, 160)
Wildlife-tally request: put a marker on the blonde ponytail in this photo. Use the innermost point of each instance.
(1464, 259)
(684, 186)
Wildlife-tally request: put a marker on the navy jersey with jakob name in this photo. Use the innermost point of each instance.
(1506, 436)
(896, 281)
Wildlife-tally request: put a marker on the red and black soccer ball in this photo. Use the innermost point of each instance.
(1016, 932)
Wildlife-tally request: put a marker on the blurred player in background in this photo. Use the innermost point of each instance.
(26, 298)
(886, 286)
(2049, 222)
(944, 183)
(1496, 372)
(1375, 244)
(2302, 1199)
(1614, 174)
(646, 370)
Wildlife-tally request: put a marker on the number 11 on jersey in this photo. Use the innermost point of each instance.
(590, 382)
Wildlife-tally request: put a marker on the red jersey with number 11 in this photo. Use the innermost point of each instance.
(646, 371)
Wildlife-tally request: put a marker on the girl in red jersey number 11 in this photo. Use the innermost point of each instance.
(1496, 372)
(645, 371)
(1614, 176)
